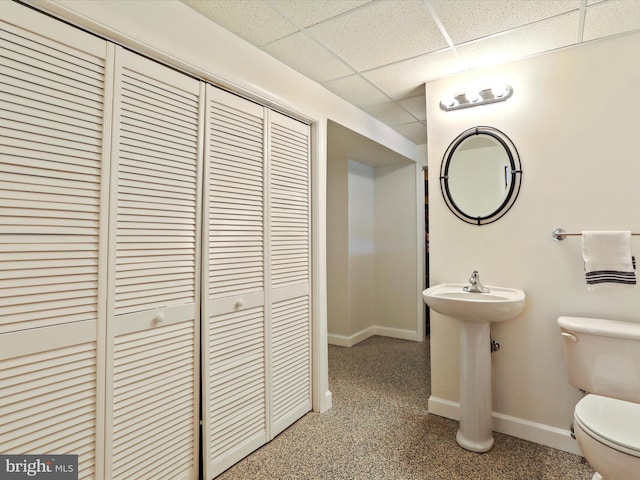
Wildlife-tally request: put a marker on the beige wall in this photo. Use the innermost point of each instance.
(350, 249)
(574, 119)
(396, 263)
(338, 248)
(362, 245)
(373, 257)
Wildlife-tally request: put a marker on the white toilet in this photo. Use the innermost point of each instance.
(603, 358)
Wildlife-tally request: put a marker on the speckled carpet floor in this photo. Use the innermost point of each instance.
(379, 428)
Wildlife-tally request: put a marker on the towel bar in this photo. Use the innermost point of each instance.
(559, 234)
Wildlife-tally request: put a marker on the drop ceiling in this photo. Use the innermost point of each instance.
(378, 54)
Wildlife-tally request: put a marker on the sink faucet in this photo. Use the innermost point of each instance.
(474, 284)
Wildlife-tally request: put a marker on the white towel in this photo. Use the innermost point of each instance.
(608, 260)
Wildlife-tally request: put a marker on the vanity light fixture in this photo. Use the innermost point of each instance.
(472, 98)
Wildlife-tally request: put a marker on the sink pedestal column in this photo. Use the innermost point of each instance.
(475, 432)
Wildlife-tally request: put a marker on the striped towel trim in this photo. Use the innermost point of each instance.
(610, 276)
(597, 277)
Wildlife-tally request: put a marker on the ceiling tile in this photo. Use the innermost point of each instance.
(357, 91)
(254, 21)
(610, 18)
(308, 13)
(416, 105)
(402, 79)
(381, 33)
(415, 131)
(390, 113)
(493, 16)
(556, 32)
(306, 56)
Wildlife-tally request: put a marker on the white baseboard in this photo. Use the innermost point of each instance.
(516, 427)
(328, 401)
(444, 408)
(350, 341)
(398, 333)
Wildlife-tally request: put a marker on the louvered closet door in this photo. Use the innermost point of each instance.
(48, 390)
(290, 270)
(234, 340)
(52, 168)
(154, 273)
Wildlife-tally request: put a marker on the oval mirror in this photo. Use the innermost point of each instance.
(480, 175)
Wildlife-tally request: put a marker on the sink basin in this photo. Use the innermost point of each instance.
(498, 305)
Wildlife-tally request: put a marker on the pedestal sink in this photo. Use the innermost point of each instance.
(475, 311)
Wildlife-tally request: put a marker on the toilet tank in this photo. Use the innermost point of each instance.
(603, 356)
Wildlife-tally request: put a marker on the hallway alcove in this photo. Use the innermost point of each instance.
(374, 253)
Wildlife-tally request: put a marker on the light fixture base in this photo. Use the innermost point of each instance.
(487, 95)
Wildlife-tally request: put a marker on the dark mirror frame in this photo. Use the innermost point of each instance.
(516, 175)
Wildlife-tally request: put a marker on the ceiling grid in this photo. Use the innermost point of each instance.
(377, 54)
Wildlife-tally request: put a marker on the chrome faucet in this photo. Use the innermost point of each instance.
(474, 284)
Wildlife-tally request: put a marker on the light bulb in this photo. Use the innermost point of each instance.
(499, 90)
(449, 101)
(473, 96)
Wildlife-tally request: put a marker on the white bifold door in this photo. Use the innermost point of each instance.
(153, 310)
(53, 175)
(256, 329)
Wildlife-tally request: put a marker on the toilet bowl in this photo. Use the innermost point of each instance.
(603, 358)
(608, 433)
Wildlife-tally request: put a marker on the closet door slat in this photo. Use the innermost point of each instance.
(290, 205)
(50, 178)
(157, 188)
(48, 393)
(290, 361)
(236, 387)
(236, 198)
(153, 401)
